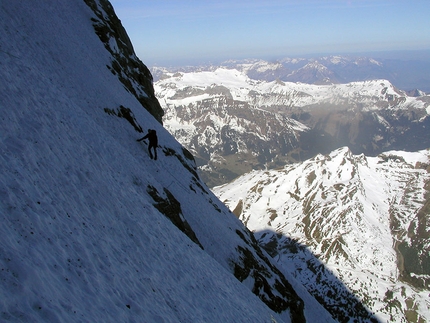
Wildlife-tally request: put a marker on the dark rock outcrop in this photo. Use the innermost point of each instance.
(133, 74)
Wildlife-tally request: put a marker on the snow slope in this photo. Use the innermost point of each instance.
(82, 236)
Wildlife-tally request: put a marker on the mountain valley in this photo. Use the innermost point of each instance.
(231, 122)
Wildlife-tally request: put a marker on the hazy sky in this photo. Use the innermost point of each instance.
(173, 32)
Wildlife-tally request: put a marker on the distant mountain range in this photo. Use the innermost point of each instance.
(408, 73)
(233, 123)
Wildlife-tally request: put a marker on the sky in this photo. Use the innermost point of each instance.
(169, 32)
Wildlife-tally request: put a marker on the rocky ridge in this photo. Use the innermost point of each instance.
(364, 217)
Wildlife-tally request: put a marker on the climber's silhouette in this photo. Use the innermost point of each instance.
(153, 142)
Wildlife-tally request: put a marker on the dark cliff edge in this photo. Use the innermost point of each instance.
(132, 73)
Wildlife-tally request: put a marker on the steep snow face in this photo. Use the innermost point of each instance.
(363, 217)
(90, 223)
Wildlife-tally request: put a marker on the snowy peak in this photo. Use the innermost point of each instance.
(361, 216)
(313, 73)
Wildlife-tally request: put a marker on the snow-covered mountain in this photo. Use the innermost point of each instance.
(93, 230)
(319, 70)
(365, 217)
(233, 123)
(224, 133)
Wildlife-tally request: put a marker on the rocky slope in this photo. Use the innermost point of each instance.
(365, 217)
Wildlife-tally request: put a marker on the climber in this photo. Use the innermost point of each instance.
(153, 142)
